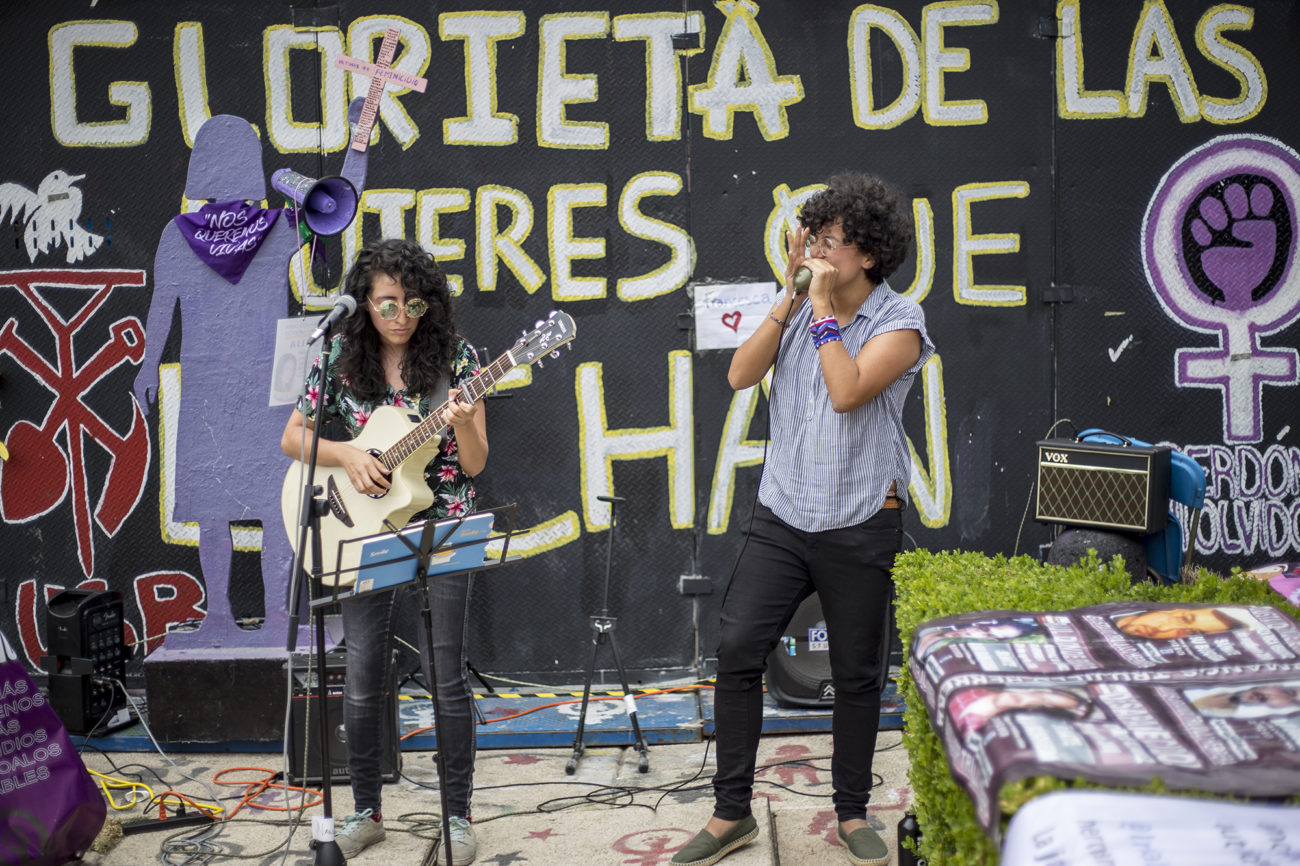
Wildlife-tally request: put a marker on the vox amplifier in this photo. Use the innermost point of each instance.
(1122, 487)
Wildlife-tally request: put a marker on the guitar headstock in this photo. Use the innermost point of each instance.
(548, 336)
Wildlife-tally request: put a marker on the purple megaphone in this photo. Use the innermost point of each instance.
(327, 205)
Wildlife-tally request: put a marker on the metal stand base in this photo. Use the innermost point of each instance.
(602, 626)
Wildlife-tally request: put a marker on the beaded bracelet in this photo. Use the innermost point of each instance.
(775, 319)
(824, 330)
(818, 342)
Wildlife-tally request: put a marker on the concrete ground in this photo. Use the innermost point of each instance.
(526, 809)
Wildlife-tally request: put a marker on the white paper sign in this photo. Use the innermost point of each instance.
(726, 314)
(1100, 828)
(291, 356)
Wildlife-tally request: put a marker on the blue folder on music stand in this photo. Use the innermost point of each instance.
(387, 562)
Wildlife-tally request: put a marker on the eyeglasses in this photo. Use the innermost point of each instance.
(415, 308)
(828, 245)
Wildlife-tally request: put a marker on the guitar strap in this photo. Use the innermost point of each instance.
(444, 385)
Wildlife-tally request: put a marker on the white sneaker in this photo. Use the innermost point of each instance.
(359, 832)
(464, 847)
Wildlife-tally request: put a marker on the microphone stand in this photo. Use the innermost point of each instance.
(314, 505)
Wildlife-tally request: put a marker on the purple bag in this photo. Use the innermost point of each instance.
(50, 808)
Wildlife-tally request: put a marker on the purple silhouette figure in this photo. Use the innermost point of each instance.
(228, 458)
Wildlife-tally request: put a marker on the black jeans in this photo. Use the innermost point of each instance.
(367, 628)
(779, 567)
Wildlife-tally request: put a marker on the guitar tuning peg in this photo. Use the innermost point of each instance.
(555, 354)
(540, 363)
(538, 323)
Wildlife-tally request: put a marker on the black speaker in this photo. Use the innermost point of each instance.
(83, 634)
(1073, 544)
(306, 705)
(799, 669)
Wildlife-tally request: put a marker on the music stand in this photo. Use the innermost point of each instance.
(420, 562)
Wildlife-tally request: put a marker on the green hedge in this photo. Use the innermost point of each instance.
(930, 585)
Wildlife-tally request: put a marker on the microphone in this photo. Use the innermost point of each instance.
(802, 280)
(344, 306)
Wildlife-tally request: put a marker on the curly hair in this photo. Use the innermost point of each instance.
(872, 214)
(432, 345)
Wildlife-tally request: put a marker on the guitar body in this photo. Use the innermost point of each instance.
(353, 514)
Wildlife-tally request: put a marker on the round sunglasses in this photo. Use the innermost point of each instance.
(415, 308)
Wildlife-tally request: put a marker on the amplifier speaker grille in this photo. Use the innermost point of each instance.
(1095, 496)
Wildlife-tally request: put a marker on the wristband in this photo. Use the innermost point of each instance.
(824, 330)
(828, 338)
(775, 319)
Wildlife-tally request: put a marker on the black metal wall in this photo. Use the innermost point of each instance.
(1046, 308)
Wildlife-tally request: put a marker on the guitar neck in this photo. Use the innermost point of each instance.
(435, 423)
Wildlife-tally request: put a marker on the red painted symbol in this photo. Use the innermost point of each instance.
(40, 471)
(521, 760)
(652, 847)
(826, 825)
(542, 834)
(380, 74)
(787, 772)
(732, 320)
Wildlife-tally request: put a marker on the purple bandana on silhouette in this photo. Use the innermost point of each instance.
(226, 234)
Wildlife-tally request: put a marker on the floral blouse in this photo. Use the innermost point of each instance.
(453, 490)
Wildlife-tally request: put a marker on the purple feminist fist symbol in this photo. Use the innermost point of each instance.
(1238, 235)
(1219, 251)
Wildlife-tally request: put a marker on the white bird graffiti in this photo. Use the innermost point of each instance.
(51, 215)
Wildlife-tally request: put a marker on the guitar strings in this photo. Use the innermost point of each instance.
(434, 425)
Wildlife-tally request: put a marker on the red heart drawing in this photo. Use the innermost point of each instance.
(732, 320)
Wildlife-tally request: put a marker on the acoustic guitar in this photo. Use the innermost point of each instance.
(404, 442)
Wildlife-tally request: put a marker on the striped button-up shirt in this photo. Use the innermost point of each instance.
(826, 469)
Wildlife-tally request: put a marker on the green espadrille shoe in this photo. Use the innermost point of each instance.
(865, 847)
(706, 849)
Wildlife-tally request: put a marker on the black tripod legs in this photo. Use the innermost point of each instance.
(603, 626)
(629, 702)
(578, 747)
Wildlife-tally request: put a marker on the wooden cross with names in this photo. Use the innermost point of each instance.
(380, 73)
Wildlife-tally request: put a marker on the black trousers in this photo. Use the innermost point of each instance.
(779, 567)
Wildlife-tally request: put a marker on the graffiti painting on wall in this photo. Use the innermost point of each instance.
(611, 162)
(1219, 243)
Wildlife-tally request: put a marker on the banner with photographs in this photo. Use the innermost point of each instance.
(1205, 697)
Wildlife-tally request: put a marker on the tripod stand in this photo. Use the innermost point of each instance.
(602, 626)
(414, 676)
